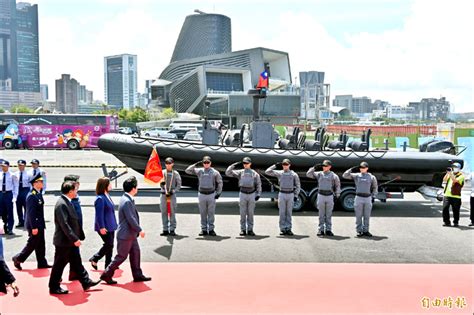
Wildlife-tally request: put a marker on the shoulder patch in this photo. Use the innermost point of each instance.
(33, 192)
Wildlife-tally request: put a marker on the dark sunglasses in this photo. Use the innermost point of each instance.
(207, 162)
(245, 163)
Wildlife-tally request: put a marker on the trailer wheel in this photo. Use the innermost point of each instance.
(346, 200)
(8, 144)
(313, 200)
(73, 144)
(299, 203)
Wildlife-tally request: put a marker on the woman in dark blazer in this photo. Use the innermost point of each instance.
(105, 221)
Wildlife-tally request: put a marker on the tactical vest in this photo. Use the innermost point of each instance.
(287, 181)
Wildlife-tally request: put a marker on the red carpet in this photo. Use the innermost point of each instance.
(232, 288)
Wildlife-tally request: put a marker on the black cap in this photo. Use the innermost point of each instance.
(327, 163)
(21, 162)
(246, 160)
(364, 165)
(71, 178)
(286, 161)
(169, 160)
(35, 161)
(36, 178)
(206, 159)
(5, 163)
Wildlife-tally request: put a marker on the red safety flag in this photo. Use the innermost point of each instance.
(153, 171)
(168, 205)
(263, 80)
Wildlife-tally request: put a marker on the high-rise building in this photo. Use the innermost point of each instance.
(44, 89)
(313, 93)
(19, 54)
(120, 80)
(27, 46)
(66, 94)
(432, 108)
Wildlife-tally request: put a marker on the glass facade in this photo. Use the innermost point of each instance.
(114, 81)
(275, 106)
(227, 82)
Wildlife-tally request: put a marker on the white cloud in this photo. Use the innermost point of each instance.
(431, 55)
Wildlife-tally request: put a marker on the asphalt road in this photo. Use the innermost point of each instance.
(405, 231)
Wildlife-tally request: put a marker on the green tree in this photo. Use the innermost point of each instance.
(21, 109)
(168, 113)
(2, 110)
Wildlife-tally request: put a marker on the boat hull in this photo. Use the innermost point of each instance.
(415, 169)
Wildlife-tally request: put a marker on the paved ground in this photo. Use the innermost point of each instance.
(411, 257)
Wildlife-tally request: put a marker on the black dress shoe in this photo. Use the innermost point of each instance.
(164, 233)
(89, 284)
(289, 233)
(212, 233)
(471, 224)
(142, 279)
(360, 234)
(58, 291)
(456, 224)
(45, 266)
(17, 263)
(108, 280)
(320, 233)
(9, 232)
(329, 233)
(243, 233)
(93, 263)
(20, 225)
(203, 233)
(368, 234)
(172, 233)
(250, 233)
(282, 232)
(447, 224)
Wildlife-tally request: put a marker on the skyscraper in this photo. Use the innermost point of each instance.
(44, 92)
(66, 94)
(19, 54)
(120, 81)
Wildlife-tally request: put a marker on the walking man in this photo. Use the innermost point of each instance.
(68, 235)
(35, 225)
(169, 186)
(329, 187)
(250, 186)
(366, 189)
(290, 187)
(210, 189)
(127, 233)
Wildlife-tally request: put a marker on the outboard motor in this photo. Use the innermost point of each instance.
(319, 142)
(424, 146)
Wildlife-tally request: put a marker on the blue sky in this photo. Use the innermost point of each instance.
(398, 51)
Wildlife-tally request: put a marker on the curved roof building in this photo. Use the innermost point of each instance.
(203, 35)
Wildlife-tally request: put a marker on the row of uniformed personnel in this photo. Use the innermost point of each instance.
(210, 189)
(15, 188)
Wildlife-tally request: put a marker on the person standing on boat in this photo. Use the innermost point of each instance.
(472, 200)
(169, 186)
(250, 186)
(329, 186)
(290, 187)
(210, 189)
(452, 193)
(366, 189)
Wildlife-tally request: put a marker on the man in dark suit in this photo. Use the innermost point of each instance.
(35, 225)
(127, 233)
(67, 236)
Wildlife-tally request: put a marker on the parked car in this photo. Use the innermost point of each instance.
(179, 132)
(193, 136)
(168, 136)
(155, 132)
(125, 130)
